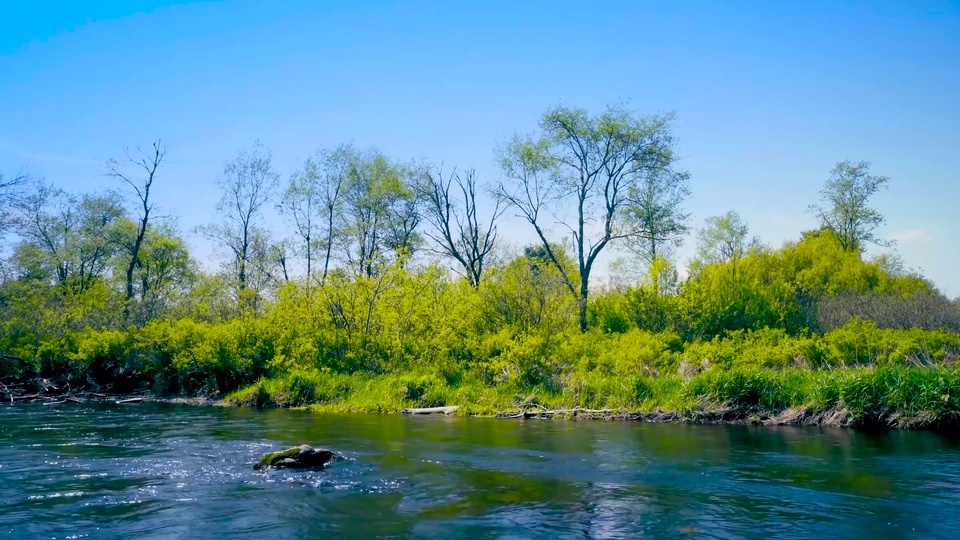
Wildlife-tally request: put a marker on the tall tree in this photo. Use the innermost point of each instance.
(594, 161)
(844, 207)
(656, 211)
(312, 202)
(165, 271)
(380, 212)
(248, 182)
(146, 164)
(458, 231)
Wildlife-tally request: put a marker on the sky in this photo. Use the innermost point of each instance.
(768, 96)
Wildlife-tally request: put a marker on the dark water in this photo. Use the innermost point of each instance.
(167, 471)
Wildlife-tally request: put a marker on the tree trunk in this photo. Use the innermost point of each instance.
(583, 314)
(582, 300)
(135, 255)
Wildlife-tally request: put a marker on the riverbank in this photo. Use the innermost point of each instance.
(901, 398)
(867, 397)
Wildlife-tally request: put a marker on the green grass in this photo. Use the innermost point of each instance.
(895, 397)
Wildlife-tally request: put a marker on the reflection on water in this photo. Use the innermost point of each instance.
(165, 471)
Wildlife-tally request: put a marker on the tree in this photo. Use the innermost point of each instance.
(65, 239)
(457, 230)
(312, 202)
(248, 182)
(656, 210)
(165, 271)
(595, 161)
(11, 189)
(844, 205)
(380, 212)
(723, 242)
(724, 238)
(148, 163)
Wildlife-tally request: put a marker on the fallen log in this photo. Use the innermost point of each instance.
(131, 400)
(25, 397)
(550, 413)
(54, 402)
(432, 410)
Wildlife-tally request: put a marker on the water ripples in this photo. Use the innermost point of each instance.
(161, 471)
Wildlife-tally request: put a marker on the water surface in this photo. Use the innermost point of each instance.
(169, 471)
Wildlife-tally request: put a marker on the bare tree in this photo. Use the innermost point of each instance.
(593, 161)
(11, 192)
(147, 163)
(845, 211)
(929, 310)
(248, 182)
(457, 229)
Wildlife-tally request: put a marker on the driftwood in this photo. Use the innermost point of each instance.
(551, 413)
(432, 410)
(31, 388)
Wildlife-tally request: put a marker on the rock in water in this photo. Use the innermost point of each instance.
(298, 457)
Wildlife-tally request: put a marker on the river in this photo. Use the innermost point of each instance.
(175, 471)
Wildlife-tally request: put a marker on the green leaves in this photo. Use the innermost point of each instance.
(844, 205)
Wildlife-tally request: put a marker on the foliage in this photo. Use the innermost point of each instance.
(844, 209)
(96, 297)
(599, 163)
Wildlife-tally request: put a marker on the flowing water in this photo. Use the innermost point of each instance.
(169, 471)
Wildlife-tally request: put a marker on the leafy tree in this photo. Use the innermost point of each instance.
(457, 230)
(248, 182)
(380, 212)
(844, 207)
(68, 239)
(313, 200)
(656, 210)
(725, 238)
(166, 271)
(595, 161)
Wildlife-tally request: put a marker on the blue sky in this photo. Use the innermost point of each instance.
(768, 95)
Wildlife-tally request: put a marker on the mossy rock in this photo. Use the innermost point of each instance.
(298, 457)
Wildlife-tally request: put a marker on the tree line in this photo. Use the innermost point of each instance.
(395, 287)
(583, 183)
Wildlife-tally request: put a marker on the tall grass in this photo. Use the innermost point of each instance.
(894, 397)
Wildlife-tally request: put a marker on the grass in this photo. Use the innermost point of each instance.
(902, 397)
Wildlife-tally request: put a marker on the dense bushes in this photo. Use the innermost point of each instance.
(751, 340)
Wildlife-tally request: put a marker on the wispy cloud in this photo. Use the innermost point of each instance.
(912, 237)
